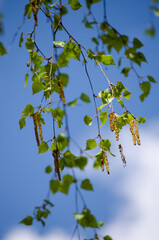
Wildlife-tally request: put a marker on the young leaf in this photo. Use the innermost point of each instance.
(27, 221)
(151, 79)
(2, 50)
(107, 60)
(54, 186)
(81, 162)
(48, 169)
(22, 122)
(86, 185)
(43, 147)
(60, 43)
(145, 87)
(26, 79)
(126, 94)
(74, 4)
(88, 120)
(86, 219)
(73, 103)
(90, 144)
(29, 109)
(29, 44)
(105, 144)
(107, 238)
(84, 98)
(103, 117)
(21, 40)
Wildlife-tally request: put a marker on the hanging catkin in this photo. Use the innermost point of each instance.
(106, 161)
(40, 127)
(132, 131)
(122, 155)
(55, 154)
(35, 128)
(137, 133)
(61, 91)
(113, 124)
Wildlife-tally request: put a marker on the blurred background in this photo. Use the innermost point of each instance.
(127, 199)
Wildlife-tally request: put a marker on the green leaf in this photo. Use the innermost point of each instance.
(28, 10)
(125, 71)
(62, 142)
(81, 162)
(126, 94)
(105, 144)
(74, 4)
(54, 186)
(101, 223)
(86, 219)
(48, 202)
(84, 98)
(73, 103)
(104, 26)
(65, 184)
(48, 169)
(64, 79)
(2, 50)
(22, 122)
(137, 43)
(86, 185)
(103, 117)
(36, 59)
(43, 147)
(29, 109)
(107, 60)
(27, 221)
(95, 40)
(21, 40)
(121, 102)
(106, 96)
(145, 87)
(29, 44)
(56, 21)
(59, 43)
(90, 2)
(90, 144)
(141, 120)
(69, 159)
(99, 159)
(88, 120)
(107, 238)
(37, 86)
(150, 31)
(151, 79)
(26, 79)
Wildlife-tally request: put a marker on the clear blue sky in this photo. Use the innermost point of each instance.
(23, 182)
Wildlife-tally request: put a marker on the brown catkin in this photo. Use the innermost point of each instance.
(35, 128)
(35, 10)
(115, 127)
(122, 155)
(132, 131)
(106, 161)
(111, 121)
(40, 127)
(61, 91)
(55, 154)
(137, 133)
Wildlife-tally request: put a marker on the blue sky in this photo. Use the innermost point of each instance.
(24, 183)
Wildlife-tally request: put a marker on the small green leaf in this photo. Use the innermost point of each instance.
(84, 98)
(22, 122)
(74, 4)
(145, 87)
(21, 40)
(126, 94)
(101, 223)
(56, 21)
(105, 144)
(73, 103)
(86, 185)
(151, 79)
(125, 71)
(81, 162)
(2, 50)
(37, 86)
(121, 102)
(59, 43)
(48, 169)
(26, 79)
(43, 147)
(29, 44)
(27, 221)
(141, 120)
(90, 144)
(69, 159)
(137, 43)
(48, 202)
(88, 120)
(103, 117)
(107, 60)
(107, 238)
(86, 219)
(29, 109)
(54, 186)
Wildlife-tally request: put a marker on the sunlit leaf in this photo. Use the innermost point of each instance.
(91, 144)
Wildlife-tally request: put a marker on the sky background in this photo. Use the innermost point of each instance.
(127, 199)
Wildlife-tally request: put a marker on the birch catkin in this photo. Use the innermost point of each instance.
(55, 154)
(40, 127)
(122, 155)
(106, 161)
(61, 91)
(34, 116)
(113, 124)
(137, 133)
(132, 131)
